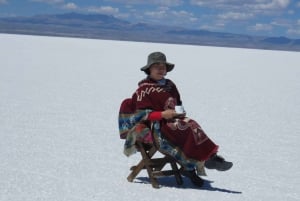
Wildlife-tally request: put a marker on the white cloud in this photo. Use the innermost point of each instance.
(122, 15)
(49, 1)
(235, 12)
(273, 5)
(165, 15)
(282, 23)
(168, 3)
(165, 12)
(183, 16)
(219, 4)
(261, 27)
(70, 6)
(294, 32)
(108, 10)
(182, 13)
(3, 1)
(156, 14)
(245, 5)
(235, 16)
(215, 27)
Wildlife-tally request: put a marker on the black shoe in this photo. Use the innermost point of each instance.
(218, 163)
(195, 179)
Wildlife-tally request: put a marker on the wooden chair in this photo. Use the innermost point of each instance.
(154, 166)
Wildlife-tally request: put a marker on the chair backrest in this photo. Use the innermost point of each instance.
(126, 110)
(127, 106)
(132, 120)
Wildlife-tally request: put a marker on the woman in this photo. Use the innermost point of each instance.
(160, 96)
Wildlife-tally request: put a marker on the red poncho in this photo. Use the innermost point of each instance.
(182, 132)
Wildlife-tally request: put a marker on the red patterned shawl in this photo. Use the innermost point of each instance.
(185, 133)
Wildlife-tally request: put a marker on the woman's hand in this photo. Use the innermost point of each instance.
(168, 114)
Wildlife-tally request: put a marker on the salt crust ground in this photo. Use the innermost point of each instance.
(59, 99)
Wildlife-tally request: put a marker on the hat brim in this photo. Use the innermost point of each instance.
(170, 66)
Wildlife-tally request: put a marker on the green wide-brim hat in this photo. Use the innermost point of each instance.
(157, 57)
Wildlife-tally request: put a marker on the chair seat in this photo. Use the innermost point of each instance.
(154, 166)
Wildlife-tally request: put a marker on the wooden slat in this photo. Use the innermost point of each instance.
(154, 166)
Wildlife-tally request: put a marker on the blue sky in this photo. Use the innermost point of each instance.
(254, 17)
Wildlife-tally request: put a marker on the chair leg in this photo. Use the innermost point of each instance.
(153, 179)
(135, 171)
(147, 155)
(177, 174)
(154, 167)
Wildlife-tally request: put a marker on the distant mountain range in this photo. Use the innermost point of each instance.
(108, 27)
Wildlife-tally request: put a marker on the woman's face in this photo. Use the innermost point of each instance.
(158, 71)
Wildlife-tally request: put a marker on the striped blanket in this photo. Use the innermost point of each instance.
(132, 128)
